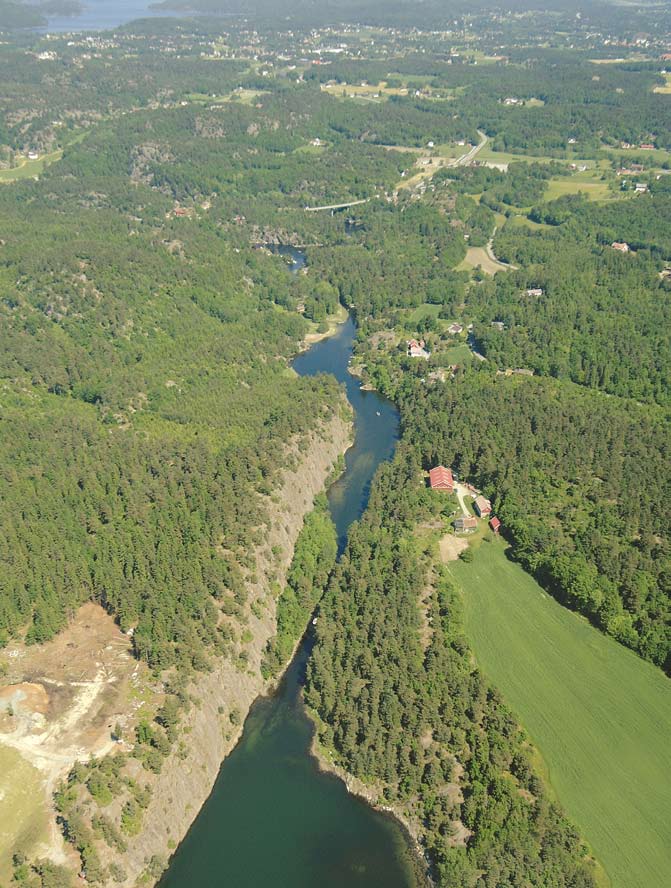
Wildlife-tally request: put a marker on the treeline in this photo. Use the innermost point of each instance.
(407, 711)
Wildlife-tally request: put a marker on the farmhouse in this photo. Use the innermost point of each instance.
(441, 478)
(465, 524)
(495, 524)
(455, 329)
(482, 506)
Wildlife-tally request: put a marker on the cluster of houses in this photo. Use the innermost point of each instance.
(442, 479)
(644, 146)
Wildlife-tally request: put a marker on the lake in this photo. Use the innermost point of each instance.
(98, 15)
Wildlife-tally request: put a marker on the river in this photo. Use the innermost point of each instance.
(274, 819)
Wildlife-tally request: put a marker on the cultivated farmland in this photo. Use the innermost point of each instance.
(600, 716)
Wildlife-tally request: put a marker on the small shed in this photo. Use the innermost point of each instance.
(482, 506)
(495, 524)
(441, 478)
(465, 524)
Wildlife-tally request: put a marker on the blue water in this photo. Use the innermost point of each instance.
(273, 818)
(99, 15)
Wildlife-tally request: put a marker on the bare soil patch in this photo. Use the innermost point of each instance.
(58, 704)
(451, 546)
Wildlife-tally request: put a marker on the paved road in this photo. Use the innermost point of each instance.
(465, 159)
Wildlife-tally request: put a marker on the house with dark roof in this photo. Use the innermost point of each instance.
(465, 524)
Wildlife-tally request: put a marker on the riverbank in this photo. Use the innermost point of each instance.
(372, 795)
(333, 322)
(185, 783)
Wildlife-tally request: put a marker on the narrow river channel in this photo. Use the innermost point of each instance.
(273, 818)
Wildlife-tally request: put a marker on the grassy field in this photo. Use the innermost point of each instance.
(244, 96)
(23, 824)
(599, 716)
(478, 256)
(593, 188)
(29, 168)
(369, 91)
(426, 310)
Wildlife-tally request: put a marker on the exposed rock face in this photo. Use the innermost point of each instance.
(184, 785)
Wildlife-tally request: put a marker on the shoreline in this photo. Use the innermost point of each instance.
(410, 829)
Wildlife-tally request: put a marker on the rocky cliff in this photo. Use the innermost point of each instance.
(184, 784)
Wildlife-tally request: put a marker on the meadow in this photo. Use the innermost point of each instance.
(599, 716)
(23, 823)
(29, 168)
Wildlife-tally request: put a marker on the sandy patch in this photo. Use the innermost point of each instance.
(451, 546)
(57, 707)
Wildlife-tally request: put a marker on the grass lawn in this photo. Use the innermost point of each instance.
(24, 819)
(527, 223)
(427, 309)
(599, 716)
(593, 188)
(458, 354)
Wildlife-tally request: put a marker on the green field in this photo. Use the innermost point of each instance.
(599, 715)
(29, 168)
(425, 310)
(24, 818)
(585, 183)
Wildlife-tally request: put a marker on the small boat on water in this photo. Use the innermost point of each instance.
(377, 413)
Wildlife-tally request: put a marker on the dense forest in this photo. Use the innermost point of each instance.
(582, 499)
(405, 708)
(146, 398)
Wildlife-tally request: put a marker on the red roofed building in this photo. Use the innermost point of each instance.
(441, 478)
(482, 506)
(495, 524)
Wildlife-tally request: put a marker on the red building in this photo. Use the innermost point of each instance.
(495, 524)
(440, 478)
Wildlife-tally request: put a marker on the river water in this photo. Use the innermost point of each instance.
(273, 818)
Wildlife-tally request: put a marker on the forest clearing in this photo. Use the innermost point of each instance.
(590, 734)
(479, 256)
(56, 708)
